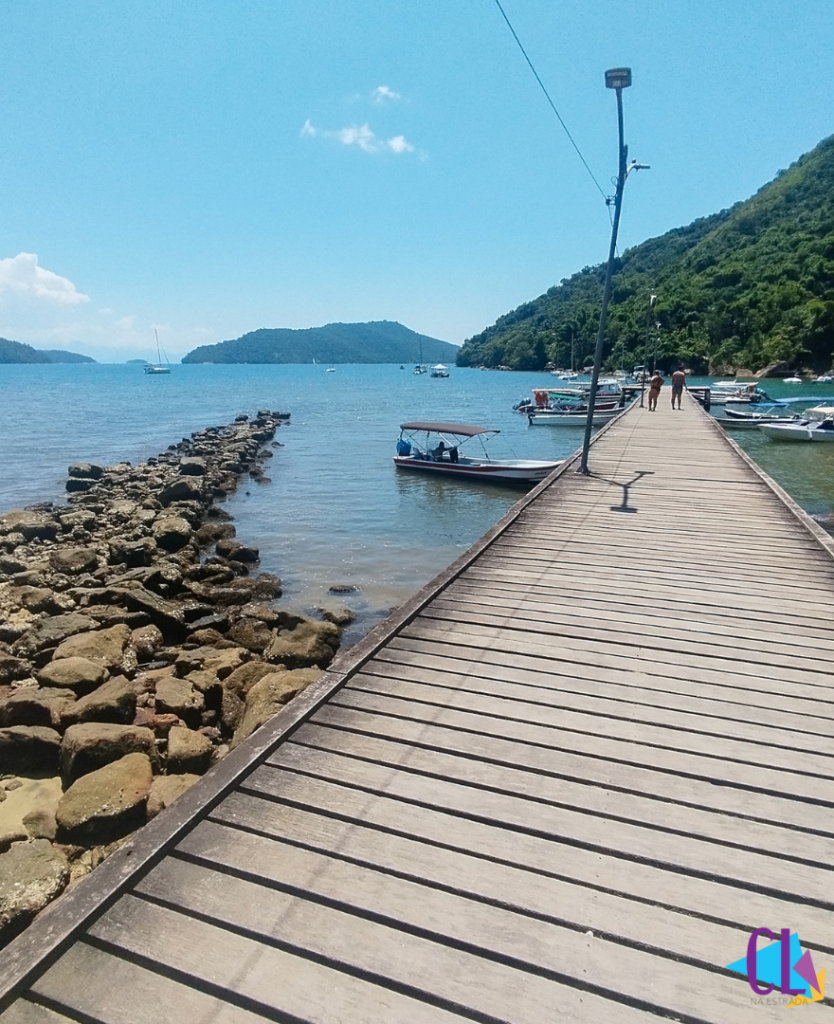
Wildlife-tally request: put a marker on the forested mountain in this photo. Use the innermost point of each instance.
(17, 352)
(746, 287)
(381, 341)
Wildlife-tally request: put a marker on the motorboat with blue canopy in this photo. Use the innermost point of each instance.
(435, 448)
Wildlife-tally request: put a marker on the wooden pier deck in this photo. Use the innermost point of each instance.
(564, 783)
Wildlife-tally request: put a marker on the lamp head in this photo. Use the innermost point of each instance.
(618, 78)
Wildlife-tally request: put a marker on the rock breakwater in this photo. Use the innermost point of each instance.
(138, 644)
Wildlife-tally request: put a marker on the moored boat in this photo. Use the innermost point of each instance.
(434, 448)
(817, 424)
(570, 418)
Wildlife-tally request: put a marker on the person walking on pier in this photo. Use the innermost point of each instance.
(655, 384)
(678, 384)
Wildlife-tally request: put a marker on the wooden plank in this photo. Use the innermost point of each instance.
(459, 853)
(657, 700)
(637, 723)
(655, 809)
(608, 836)
(454, 948)
(531, 616)
(93, 985)
(461, 980)
(739, 690)
(24, 1012)
(617, 657)
(744, 774)
(258, 974)
(572, 762)
(669, 601)
(681, 620)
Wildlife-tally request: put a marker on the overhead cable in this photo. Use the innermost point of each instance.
(550, 101)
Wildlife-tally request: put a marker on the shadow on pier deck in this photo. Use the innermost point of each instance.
(565, 782)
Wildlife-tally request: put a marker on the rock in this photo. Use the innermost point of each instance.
(219, 662)
(251, 634)
(181, 489)
(210, 533)
(244, 678)
(166, 789)
(268, 696)
(77, 674)
(41, 824)
(34, 705)
(171, 533)
(30, 525)
(26, 748)
(132, 553)
(211, 638)
(189, 753)
(109, 615)
(75, 485)
(86, 470)
(161, 725)
(147, 641)
(339, 615)
(309, 643)
(164, 614)
(260, 612)
(114, 701)
(105, 646)
(179, 697)
(52, 631)
(32, 874)
(88, 746)
(41, 599)
(241, 553)
(106, 804)
(780, 369)
(73, 561)
(12, 668)
(9, 566)
(193, 466)
(217, 622)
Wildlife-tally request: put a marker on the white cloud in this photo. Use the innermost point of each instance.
(361, 136)
(399, 145)
(22, 276)
(383, 94)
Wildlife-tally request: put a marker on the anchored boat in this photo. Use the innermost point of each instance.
(435, 448)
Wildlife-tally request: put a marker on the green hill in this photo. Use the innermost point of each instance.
(746, 287)
(382, 341)
(17, 352)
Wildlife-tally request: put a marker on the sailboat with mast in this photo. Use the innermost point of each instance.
(158, 367)
(421, 366)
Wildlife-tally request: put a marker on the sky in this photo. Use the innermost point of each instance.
(209, 168)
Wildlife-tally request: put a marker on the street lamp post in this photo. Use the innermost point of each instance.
(617, 79)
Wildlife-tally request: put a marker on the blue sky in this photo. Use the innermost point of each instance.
(214, 167)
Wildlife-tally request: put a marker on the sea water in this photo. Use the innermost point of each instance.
(336, 512)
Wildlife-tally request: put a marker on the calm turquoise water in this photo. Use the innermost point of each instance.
(336, 512)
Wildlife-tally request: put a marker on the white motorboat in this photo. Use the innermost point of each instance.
(824, 379)
(563, 401)
(439, 371)
(791, 380)
(735, 420)
(416, 449)
(817, 424)
(565, 418)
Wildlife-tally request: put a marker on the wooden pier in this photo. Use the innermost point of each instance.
(564, 783)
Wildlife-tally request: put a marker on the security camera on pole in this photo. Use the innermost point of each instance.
(617, 79)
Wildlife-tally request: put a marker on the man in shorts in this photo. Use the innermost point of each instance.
(678, 384)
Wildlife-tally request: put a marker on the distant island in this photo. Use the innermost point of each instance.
(382, 341)
(18, 352)
(140, 362)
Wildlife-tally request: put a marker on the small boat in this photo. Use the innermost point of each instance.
(570, 418)
(419, 368)
(824, 379)
(439, 371)
(563, 401)
(434, 448)
(330, 369)
(735, 420)
(746, 394)
(817, 424)
(158, 367)
(791, 380)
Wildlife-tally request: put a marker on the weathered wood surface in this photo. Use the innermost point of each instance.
(565, 783)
